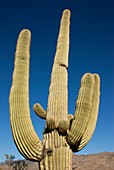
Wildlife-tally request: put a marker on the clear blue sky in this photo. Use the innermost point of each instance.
(91, 50)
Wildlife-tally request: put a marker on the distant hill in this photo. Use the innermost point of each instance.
(100, 161)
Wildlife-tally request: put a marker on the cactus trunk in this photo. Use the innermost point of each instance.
(58, 155)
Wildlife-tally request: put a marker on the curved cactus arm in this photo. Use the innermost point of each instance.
(38, 109)
(25, 138)
(86, 111)
(94, 114)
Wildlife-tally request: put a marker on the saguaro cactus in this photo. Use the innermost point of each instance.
(63, 133)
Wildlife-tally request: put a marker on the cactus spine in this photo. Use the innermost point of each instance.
(64, 133)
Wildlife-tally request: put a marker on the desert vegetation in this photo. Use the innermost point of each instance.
(15, 165)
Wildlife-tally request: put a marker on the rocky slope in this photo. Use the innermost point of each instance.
(101, 161)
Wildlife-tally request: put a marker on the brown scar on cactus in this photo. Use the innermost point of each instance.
(64, 133)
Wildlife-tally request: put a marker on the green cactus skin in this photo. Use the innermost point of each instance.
(64, 133)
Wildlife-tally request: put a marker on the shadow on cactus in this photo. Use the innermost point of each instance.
(64, 133)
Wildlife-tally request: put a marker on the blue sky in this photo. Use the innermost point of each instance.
(91, 50)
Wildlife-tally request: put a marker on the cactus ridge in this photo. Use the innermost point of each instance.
(63, 132)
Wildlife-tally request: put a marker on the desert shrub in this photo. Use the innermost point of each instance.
(19, 165)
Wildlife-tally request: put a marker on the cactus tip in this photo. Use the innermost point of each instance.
(96, 77)
(67, 11)
(87, 78)
(25, 32)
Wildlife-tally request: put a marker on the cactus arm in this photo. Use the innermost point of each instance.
(57, 107)
(39, 111)
(90, 127)
(25, 138)
(86, 112)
